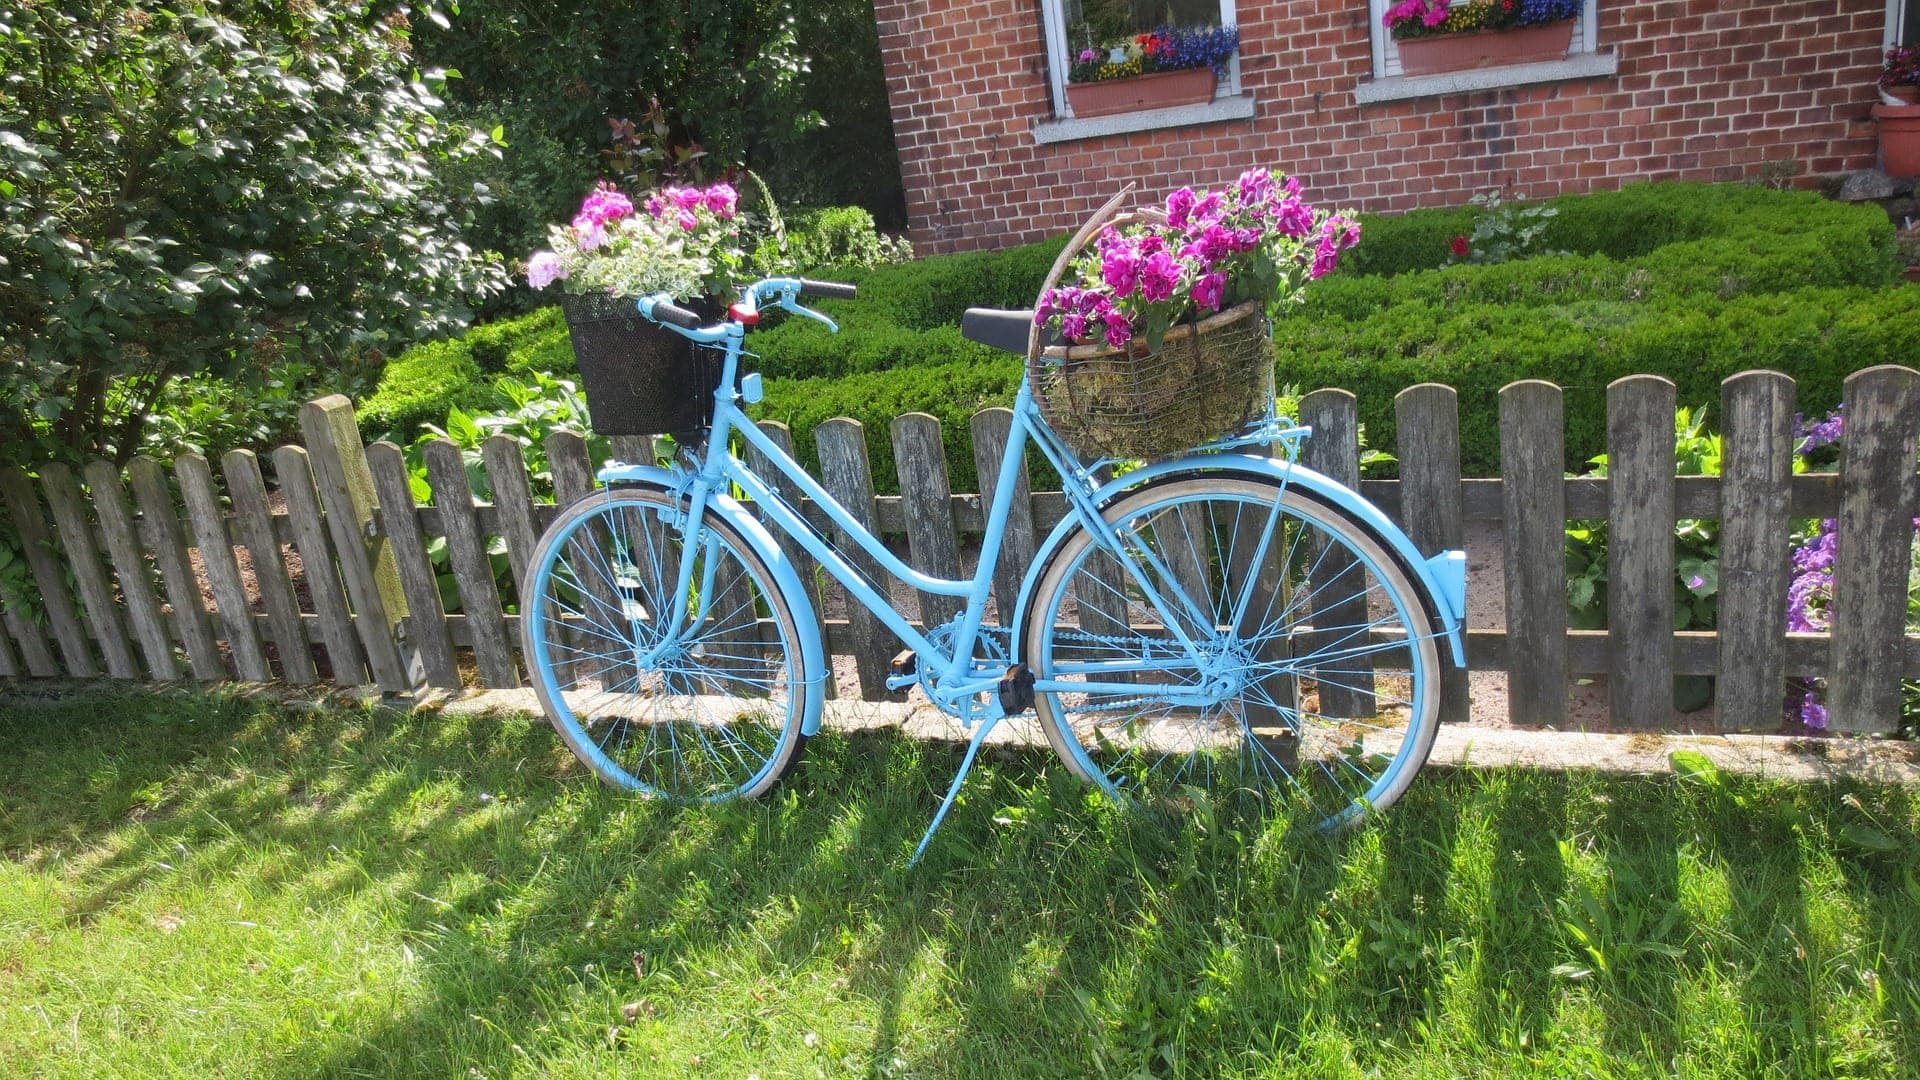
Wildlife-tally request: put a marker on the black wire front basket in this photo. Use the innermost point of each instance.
(641, 378)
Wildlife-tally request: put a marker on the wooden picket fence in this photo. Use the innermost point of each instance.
(337, 568)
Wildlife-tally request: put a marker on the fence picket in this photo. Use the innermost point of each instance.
(1427, 418)
(16, 491)
(292, 470)
(1334, 450)
(345, 485)
(9, 667)
(1756, 468)
(844, 472)
(472, 568)
(100, 610)
(991, 430)
(426, 622)
(804, 564)
(921, 458)
(223, 573)
(131, 571)
(1879, 499)
(573, 481)
(513, 502)
(253, 519)
(1640, 551)
(36, 656)
(1532, 457)
(160, 528)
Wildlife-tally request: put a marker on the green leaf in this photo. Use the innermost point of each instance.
(498, 135)
(1869, 838)
(1694, 767)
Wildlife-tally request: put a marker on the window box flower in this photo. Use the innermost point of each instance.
(1168, 67)
(1449, 35)
(1900, 78)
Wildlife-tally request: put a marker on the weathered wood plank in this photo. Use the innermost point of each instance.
(100, 609)
(426, 623)
(36, 542)
(223, 573)
(253, 520)
(366, 564)
(844, 472)
(513, 502)
(472, 569)
(1879, 499)
(307, 526)
(1640, 577)
(9, 667)
(804, 564)
(1104, 594)
(1756, 468)
(921, 460)
(1427, 418)
(131, 571)
(992, 428)
(1338, 582)
(1532, 456)
(160, 528)
(36, 656)
(573, 481)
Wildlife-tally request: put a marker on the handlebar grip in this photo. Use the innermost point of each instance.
(832, 290)
(668, 312)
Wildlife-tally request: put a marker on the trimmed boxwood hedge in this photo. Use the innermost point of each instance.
(1691, 281)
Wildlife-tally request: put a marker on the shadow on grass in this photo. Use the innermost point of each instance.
(1047, 932)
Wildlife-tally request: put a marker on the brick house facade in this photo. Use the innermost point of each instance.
(1685, 90)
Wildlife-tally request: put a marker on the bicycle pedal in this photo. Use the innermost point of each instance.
(1016, 690)
(902, 673)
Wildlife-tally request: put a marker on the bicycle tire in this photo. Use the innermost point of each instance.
(1273, 732)
(596, 641)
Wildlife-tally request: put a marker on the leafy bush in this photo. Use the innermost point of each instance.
(841, 236)
(211, 187)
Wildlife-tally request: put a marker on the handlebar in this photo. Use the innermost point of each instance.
(832, 290)
(660, 308)
(782, 292)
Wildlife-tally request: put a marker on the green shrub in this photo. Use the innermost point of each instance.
(419, 388)
(841, 236)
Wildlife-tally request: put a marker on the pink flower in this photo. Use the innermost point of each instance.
(1255, 186)
(1209, 290)
(1119, 330)
(1073, 327)
(1460, 247)
(722, 199)
(590, 236)
(1325, 256)
(544, 269)
(602, 207)
(1119, 265)
(1088, 56)
(1159, 277)
(1179, 205)
(688, 220)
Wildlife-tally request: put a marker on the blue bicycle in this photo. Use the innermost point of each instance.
(1223, 618)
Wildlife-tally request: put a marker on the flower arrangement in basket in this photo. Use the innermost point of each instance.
(684, 241)
(1163, 321)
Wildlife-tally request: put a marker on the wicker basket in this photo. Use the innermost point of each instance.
(640, 378)
(1206, 380)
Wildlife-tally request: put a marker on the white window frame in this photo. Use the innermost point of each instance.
(1059, 55)
(1896, 18)
(1386, 54)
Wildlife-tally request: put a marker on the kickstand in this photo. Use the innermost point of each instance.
(953, 792)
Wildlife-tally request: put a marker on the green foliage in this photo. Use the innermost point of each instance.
(793, 89)
(421, 386)
(1507, 229)
(841, 236)
(206, 187)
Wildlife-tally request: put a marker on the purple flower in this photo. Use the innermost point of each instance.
(1073, 327)
(1255, 186)
(1697, 582)
(1159, 277)
(1812, 713)
(1208, 291)
(722, 199)
(1119, 330)
(544, 269)
(1119, 264)
(1293, 218)
(603, 207)
(1325, 256)
(1088, 56)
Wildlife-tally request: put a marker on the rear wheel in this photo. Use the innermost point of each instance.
(702, 709)
(1312, 669)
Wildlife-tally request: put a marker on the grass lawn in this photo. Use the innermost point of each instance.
(197, 885)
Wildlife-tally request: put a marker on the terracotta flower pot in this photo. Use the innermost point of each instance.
(1160, 90)
(1908, 94)
(1486, 48)
(1899, 139)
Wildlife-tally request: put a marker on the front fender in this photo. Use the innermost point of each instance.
(1443, 577)
(786, 578)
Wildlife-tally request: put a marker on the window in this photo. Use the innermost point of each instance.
(1074, 25)
(1903, 22)
(1386, 54)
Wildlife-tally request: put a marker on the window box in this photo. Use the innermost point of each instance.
(1486, 48)
(1161, 90)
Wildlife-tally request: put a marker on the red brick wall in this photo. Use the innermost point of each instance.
(1704, 92)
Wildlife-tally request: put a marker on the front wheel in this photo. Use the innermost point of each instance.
(1247, 637)
(690, 688)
